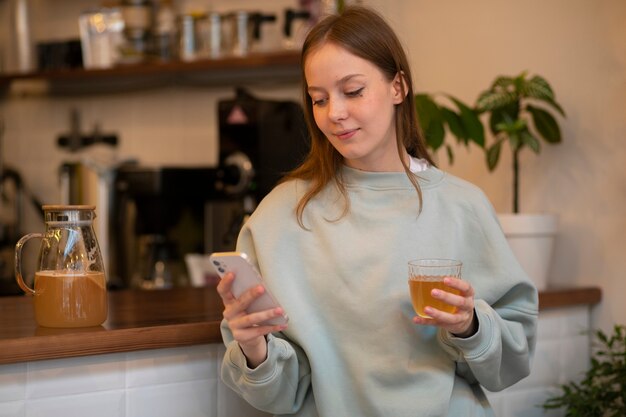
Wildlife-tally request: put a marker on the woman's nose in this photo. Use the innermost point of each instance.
(337, 110)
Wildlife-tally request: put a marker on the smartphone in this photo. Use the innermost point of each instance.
(246, 277)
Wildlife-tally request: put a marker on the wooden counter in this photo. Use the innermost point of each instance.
(155, 319)
(137, 320)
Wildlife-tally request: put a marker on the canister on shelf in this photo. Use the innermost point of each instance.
(189, 39)
(138, 20)
(165, 31)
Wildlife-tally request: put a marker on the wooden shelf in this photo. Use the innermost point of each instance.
(258, 66)
(567, 297)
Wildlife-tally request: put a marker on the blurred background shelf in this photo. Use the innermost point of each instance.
(260, 67)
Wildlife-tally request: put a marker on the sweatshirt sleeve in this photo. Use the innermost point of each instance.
(506, 306)
(279, 385)
(499, 354)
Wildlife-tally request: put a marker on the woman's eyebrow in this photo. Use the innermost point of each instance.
(341, 81)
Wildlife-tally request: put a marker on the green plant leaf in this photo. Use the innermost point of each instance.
(455, 124)
(427, 110)
(492, 100)
(603, 390)
(515, 141)
(450, 154)
(503, 115)
(519, 84)
(471, 122)
(545, 124)
(537, 87)
(503, 82)
(529, 140)
(504, 123)
(493, 155)
(435, 135)
(431, 120)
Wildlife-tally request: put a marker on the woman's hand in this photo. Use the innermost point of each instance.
(246, 328)
(463, 322)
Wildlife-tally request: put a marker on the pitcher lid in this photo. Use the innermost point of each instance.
(59, 207)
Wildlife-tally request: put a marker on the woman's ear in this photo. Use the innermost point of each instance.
(400, 88)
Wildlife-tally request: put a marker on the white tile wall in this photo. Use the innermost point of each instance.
(13, 409)
(183, 399)
(561, 355)
(165, 366)
(181, 382)
(184, 382)
(87, 374)
(95, 404)
(12, 382)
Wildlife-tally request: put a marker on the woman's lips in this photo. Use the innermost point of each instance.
(346, 134)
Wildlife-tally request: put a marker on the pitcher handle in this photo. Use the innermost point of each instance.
(18, 262)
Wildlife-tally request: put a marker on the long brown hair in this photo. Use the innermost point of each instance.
(365, 34)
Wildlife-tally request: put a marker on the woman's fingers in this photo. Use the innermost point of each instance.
(224, 287)
(458, 322)
(247, 327)
(234, 307)
(255, 319)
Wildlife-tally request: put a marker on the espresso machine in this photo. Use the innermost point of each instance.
(161, 214)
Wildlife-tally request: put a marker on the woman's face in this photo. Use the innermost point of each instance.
(354, 106)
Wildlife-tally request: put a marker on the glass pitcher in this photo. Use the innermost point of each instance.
(70, 284)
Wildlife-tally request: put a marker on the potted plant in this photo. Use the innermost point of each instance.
(515, 110)
(602, 391)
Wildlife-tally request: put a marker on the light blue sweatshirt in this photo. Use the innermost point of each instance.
(351, 348)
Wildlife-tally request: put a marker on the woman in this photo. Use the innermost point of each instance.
(332, 242)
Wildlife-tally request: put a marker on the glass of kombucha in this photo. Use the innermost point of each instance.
(426, 275)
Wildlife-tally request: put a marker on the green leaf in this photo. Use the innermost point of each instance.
(471, 122)
(545, 124)
(431, 120)
(603, 390)
(493, 155)
(455, 124)
(556, 106)
(491, 100)
(505, 124)
(504, 115)
(502, 82)
(450, 154)
(529, 140)
(537, 87)
(427, 110)
(515, 142)
(435, 135)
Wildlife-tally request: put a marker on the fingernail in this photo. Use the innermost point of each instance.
(436, 293)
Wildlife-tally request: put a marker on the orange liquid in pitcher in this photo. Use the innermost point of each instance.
(70, 300)
(421, 287)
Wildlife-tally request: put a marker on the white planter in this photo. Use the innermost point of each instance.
(531, 237)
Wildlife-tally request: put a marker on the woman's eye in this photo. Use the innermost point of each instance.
(355, 93)
(318, 102)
